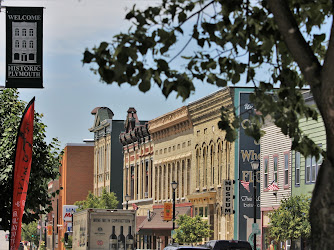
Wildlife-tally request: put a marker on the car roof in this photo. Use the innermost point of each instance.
(185, 247)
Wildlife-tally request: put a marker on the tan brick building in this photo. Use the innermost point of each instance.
(186, 146)
(108, 156)
(212, 163)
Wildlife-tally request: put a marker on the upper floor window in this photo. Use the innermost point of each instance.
(17, 44)
(265, 173)
(312, 167)
(31, 44)
(24, 32)
(275, 168)
(31, 32)
(297, 169)
(17, 32)
(24, 44)
(286, 169)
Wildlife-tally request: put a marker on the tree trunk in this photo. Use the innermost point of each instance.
(322, 208)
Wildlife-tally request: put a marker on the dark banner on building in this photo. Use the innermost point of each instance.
(24, 47)
(21, 173)
(249, 151)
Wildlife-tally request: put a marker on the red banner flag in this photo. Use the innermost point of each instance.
(21, 172)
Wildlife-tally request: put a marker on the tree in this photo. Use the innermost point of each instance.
(29, 232)
(266, 44)
(191, 229)
(68, 244)
(291, 219)
(105, 201)
(45, 160)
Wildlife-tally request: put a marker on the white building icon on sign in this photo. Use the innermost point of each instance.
(24, 42)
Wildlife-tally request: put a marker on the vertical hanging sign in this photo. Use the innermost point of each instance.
(21, 173)
(24, 47)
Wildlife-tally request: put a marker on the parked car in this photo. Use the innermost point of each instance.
(228, 244)
(183, 247)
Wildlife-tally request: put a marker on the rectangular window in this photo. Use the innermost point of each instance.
(313, 170)
(275, 169)
(297, 169)
(308, 170)
(286, 169)
(200, 211)
(265, 177)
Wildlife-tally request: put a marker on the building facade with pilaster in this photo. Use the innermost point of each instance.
(108, 155)
(212, 164)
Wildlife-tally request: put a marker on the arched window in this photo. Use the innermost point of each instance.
(205, 177)
(212, 165)
(24, 32)
(16, 56)
(17, 32)
(31, 44)
(197, 168)
(17, 44)
(31, 32)
(24, 44)
(31, 56)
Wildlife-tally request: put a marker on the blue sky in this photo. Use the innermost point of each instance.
(71, 91)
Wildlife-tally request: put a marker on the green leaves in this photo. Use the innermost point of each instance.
(191, 229)
(44, 165)
(291, 219)
(105, 201)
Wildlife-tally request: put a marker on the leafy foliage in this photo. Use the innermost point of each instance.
(191, 229)
(29, 232)
(291, 219)
(45, 160)
(105, 201)
(68, 245)
(221, 43)
(280, 48)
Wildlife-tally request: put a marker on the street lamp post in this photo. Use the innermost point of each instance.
(127, 198)
(255, 167)
(72, 212)
(174, 186)
(53, 231)
(45, 229)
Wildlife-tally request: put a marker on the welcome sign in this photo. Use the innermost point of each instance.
(24, 46)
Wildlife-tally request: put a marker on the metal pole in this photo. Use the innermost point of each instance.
(254, 185)
(173, 212)
(72, 220)
(53, 233)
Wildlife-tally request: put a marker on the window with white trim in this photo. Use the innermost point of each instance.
(297, 169)
(311, 168)
(265, 173)
(286, 169)
(275, 168)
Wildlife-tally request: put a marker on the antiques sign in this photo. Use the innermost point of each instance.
(24, 47)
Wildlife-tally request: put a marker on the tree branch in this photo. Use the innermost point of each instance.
(298, 47)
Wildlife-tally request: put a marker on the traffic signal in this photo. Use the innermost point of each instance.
(66, 237)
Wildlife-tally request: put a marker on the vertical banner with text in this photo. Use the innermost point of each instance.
(249, 151)
(24, 47)
(21, 172)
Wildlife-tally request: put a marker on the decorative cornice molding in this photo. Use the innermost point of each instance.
(208, 108)
(169, 120)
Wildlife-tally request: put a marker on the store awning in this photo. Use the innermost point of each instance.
(156, 222)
